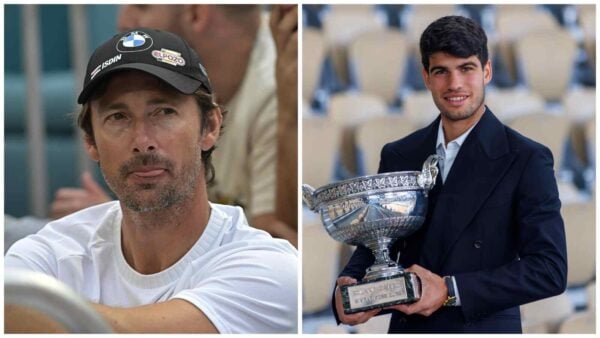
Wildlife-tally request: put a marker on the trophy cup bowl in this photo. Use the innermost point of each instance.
(374, 211)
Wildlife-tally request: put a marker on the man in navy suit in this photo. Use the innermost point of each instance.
(493, 238)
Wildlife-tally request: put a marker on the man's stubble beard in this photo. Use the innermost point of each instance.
(180, 190)
(468, 114)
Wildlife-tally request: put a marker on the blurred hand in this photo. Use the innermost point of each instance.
(69, 200)
(355, 318)
(433, 293)
(284, 28)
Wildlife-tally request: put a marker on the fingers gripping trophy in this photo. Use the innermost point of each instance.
(375, 211)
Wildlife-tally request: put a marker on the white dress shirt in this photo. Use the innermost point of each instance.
(447, 155)
(448, 152)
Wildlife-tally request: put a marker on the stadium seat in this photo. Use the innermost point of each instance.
(515, 21)
(349, 110)
(320, 144)
(340, 27)
(549, 130)
(540, 52)
(374, 133)
(379, 60)
(313, 56)
(580, 232)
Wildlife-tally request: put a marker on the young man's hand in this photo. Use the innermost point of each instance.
(355, 318)
(433, 293)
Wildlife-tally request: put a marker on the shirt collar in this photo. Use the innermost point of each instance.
(459, 140)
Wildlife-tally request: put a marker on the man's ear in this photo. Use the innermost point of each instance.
(425, 75)
(487, 72)
(212, 130)
(90, 148)
(199, 17)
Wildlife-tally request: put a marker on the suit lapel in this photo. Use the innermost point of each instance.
(412, 156)
(481, 163)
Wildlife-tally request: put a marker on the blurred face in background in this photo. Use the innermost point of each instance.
(457, 85)
(163, 17)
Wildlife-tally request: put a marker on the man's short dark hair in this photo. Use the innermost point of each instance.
(455, 35)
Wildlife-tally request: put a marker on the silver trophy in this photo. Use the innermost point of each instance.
(374, 211)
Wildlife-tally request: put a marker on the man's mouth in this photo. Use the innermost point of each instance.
(456, 100)
(147, 172)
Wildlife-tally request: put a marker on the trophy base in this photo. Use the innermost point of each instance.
(379, 293)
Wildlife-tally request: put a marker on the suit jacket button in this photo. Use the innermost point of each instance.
(477, 244)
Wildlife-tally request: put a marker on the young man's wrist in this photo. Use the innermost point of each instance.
(453, 298)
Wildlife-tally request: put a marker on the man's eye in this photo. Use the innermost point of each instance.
(116, 117)
(166, 111)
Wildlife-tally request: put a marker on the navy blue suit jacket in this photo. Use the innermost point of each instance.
(494, 224)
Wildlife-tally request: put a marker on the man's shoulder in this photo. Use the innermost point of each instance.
(67, 238)
(76, 231)
(89, 218)
(237, 237)
(412, 141)
(523, 144)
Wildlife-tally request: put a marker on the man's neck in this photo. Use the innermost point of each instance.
(453, 129)
(152, 242)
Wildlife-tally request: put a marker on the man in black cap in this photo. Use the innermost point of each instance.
(162, 258)
(258, 171)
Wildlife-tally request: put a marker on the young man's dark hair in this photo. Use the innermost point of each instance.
(455, 35)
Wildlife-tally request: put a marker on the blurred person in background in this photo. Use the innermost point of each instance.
(162, 258)
(284, 27)
(493, 238)
(256, 171)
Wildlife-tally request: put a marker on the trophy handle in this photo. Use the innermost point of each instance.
(308, 197)
(426, 178)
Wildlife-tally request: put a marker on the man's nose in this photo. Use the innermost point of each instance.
(143, 139)
(455, 81)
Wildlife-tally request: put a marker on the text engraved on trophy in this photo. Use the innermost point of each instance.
(364, 295)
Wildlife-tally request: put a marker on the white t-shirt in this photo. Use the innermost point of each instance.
(241, 278)
(246, 159)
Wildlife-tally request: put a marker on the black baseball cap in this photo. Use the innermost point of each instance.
(159, 53)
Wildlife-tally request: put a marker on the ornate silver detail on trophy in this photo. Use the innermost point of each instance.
(374, 211)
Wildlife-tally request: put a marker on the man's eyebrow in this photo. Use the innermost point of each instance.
(112, 106)
(121, 105)
(462, 65)
(437, 68)
(160, 100)
(468, 63)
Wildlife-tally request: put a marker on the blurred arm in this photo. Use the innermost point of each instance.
(284, 23)
(173, 316)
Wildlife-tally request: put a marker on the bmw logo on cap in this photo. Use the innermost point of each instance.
(135, 41)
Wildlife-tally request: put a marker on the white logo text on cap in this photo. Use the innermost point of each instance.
(105, 64)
